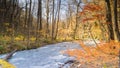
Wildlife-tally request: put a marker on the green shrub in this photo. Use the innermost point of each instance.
(1, 49)
(18, 45)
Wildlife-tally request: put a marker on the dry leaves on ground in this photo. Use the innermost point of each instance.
(103, 55)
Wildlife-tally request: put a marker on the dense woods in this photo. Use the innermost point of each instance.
(30, 23)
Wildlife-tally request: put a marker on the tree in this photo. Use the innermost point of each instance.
(29, 22)
(39, 19)
(25, 18)
(47, 17)
(116, 25)
(40, 13)
(58, 17)
(109, 20)
(113, 26)
(53, 22)
(77, 10)
(93, 15)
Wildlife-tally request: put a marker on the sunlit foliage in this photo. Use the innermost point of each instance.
(4, 64)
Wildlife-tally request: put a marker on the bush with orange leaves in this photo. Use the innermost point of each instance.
(103, 53)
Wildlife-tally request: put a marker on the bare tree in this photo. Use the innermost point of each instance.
(69, 15)
(14, 7)
(29, 22)
(47, 17)
(39, 19)
(77, 10)
(58, 17)
(53, 22)
(40, 13)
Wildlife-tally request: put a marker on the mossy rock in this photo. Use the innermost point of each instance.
(5, 64)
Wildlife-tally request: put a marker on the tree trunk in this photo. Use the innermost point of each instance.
(109, 20)
(76, 25)
(40, 12)
(116, 28)
(53, 22)
(29, 23)
(26, 19)
(12, 19)
(47, 17)
(58, 19)
(39, 19)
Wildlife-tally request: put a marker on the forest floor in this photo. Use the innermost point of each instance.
(54, 56)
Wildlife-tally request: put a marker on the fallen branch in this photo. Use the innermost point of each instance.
(10, 55)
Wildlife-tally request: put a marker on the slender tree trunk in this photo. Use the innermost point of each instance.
(39, 20)
(53, 22)
(59, 5)
(29, 23)
(116, 28)
(12, 19)
(76, 25)
(70, 16)
(40, 12)
(109, 20)
(26, 19)
(47, 17)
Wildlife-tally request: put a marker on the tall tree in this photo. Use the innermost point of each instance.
(109, 20)
(40, 13)
(77, 23)
(53, 22)
(47, 17)
(69, 15)
(116, 28)
(25, 18)
(39, 19)
(12, 20)
(58, 17)
(29, 22)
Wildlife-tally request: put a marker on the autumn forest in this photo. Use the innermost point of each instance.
(29, 24)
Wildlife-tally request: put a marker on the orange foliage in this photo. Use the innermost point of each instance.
(106, 23)
(106, 52)
(99, 16)
(88, 19)
(92, 12)
(92, 7)
(111, 48)
(81, 13)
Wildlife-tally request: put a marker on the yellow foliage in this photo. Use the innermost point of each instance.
(32, 38)
(19, 38)
(4, 64)
(7, 38)
(7, 24)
